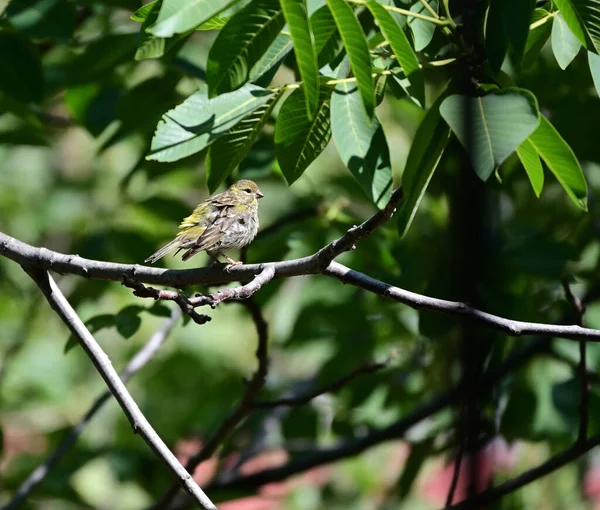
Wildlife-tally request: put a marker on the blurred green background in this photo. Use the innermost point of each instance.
(73, 178)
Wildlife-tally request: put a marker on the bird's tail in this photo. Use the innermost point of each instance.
(175, 244)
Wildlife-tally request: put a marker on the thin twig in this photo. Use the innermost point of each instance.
(141, 358)
(104, 366)
(579, 308)
(348, 448)
(297, 400)
(488, 496)
(242, 409)
(140, 290)
(455, 477)
(430, 9)
(412, 14)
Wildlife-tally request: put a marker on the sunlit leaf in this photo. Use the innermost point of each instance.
(198, 121)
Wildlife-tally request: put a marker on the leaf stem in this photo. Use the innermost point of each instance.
(543, 20)
(430, 9)
(446, 6)
(391, 8)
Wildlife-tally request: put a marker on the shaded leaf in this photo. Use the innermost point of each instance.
(564, 44)
(499, 121)
(496, 42)
(227, 151)
(594, 63)
(296, 16)
(271, 59)
(241, 43)
(425, 153)
(358, 51)
(328, 42)
(422, 30)
(561, 161)
(536, 38)
(402, 49)
(532, 164)
(361, 143)
(516, 16)
(198, 121)
(299, 139)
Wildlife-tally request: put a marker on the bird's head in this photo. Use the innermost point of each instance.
(246, 191)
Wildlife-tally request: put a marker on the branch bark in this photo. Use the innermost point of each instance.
(138, 421)
(242, 409)
(141, 358)
(42, 258)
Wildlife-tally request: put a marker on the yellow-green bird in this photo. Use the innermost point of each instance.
(227, 221)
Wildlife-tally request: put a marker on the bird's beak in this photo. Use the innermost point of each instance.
(259, 194)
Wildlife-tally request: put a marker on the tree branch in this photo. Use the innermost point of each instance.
(243, 408)
(102, 363)
(141, 358)
(43, 258)
(579, 309)
(354, 446)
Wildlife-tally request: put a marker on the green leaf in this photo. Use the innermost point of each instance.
(198, 121)
(536, 38)
(361, 143)
(151, 46)
(296, 17)
(532, 164)
(499, 121)
(21, 76)
(422, 30)
(496, 42)
(179, 16)
(564, 44)
(272, 58)
(328, 42)
(144, 11)
(401, 48)
(226, 153)
(561, 161)
(582, 18)
(594, 63)
(299, 139)
(425, 153)
(241, 43)
(214, 23)
(358, 51)
(516, 16)
(127, 321)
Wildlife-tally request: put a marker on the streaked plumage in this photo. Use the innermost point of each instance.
(227, 221)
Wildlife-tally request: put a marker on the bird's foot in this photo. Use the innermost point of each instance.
(232, 263)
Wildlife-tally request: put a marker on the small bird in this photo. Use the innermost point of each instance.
(227, 221)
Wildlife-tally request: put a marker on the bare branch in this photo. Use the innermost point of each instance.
(297, 400)
(140, 290)
(141, 358)
(242, 409)
(420, 302)
(43, 258)
(579, 308)
(102, 363)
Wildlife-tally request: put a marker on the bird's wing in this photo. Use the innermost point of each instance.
(211, 234)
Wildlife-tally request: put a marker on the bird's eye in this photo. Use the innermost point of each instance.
(248, 190)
